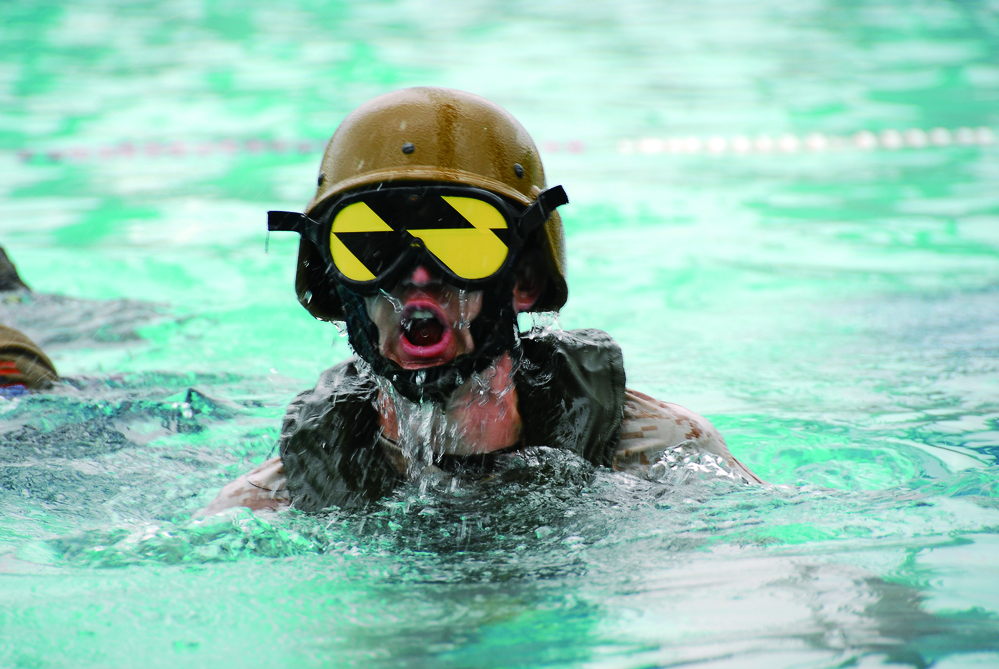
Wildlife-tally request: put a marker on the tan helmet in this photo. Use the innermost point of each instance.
(23, 362)
(436, 135)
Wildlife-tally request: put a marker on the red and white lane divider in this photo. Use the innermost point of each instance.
(865, 140)
(175, 149)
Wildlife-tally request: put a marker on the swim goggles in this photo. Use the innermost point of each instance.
(369, 238)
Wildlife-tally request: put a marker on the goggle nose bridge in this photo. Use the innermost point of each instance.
(415, 255)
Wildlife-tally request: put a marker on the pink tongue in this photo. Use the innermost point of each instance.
(423, 331)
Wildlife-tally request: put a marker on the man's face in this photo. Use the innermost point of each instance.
(424, 322)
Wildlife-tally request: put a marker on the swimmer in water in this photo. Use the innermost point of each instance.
(23, 365)
(431, 229)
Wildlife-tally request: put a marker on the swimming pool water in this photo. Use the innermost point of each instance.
(827, 296)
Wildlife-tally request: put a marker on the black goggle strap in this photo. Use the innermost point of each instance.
(542, 209)
(293, 221)
(535, 215)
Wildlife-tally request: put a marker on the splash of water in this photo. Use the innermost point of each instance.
(543, 323)
(685, 463)
(429, 429)
(464, 322)
(424, 428)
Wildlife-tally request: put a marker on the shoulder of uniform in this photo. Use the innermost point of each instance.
(646, 413)
(342, 381)
(652, 427)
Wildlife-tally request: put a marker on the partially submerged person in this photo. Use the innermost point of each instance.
(23, 365)
(431, 229)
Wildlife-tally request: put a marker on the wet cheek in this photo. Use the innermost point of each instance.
(382, 315)
(473, 306)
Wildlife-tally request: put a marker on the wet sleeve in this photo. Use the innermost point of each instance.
(329, 448)
(652, 427)
(571, 393)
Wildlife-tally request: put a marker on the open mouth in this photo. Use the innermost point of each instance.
(423, 328)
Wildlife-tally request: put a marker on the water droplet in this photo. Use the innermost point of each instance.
(395, 302)
(463, 321)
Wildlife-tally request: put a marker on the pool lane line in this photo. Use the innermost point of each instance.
(816, 142)
(175, 149)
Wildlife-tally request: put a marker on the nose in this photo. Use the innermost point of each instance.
(421, 276)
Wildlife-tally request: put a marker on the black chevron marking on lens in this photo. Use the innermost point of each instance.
(376, 250)
(503, 234)
(431, 212)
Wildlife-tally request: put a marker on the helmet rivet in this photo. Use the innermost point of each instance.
(408, 147)
(518, 170)
(321, 179)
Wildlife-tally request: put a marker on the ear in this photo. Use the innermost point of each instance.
(532, 277)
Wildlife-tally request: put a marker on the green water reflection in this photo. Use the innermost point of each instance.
(833, 312)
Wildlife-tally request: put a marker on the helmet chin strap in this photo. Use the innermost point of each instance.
(494, 332)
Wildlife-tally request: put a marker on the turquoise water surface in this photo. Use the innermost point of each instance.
(786, 213)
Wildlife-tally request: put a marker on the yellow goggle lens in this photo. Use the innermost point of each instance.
(356, 217)
(471, 253)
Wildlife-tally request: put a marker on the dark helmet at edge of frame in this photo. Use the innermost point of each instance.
(429, 135)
